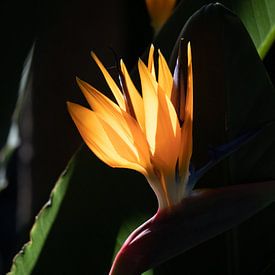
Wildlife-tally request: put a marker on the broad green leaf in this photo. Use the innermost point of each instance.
(25, 260)
(258, 17)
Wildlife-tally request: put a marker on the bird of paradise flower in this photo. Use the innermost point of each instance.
(151, 134)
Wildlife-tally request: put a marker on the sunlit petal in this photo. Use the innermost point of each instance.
(151, 65)
(121, 141)
(103, 105)
(165, 79)
(150, 99)
(186, 138)
(103, 140)
(139, 141)
(118, 118)
(114, 88)
(136, 99)
(167, 134)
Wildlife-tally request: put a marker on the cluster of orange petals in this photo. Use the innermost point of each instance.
(151, 134)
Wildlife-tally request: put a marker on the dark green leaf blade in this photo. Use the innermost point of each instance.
(258, 17)
(26, 259)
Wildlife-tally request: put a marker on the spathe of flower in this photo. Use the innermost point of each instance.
(160, 11)
(151, 134)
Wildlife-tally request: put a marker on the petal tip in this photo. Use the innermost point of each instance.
(79, 81)
(95, 58)
(70, 107)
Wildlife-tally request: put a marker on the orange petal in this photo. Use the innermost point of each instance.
(150, 100)
(119, 119)
(162, 126)
(103, 140)
(167, 134)
(187, 138)
(114, 88)
(189, 100)
(136, 99)
(103, 105)
(151, 65)
(139, 141)
(165, 78)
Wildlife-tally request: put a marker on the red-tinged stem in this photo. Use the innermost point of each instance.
(201, 216)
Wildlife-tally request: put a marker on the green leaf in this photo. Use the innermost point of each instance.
(25, 260)
(258, 16)
(87, 208)
(259, 19)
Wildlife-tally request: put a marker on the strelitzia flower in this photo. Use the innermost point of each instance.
(152, 133)
(160, 11)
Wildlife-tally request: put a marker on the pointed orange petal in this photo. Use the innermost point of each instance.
(151, 66)
(167, 134)
(121, 141)
(189, 100)
(165, 78)
(136, 99)
(103, 140)
(119, 119)
(114, 88)
(139, 141)
(150, 100)
(103, 105)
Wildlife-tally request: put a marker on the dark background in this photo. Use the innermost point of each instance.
(64, 33)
